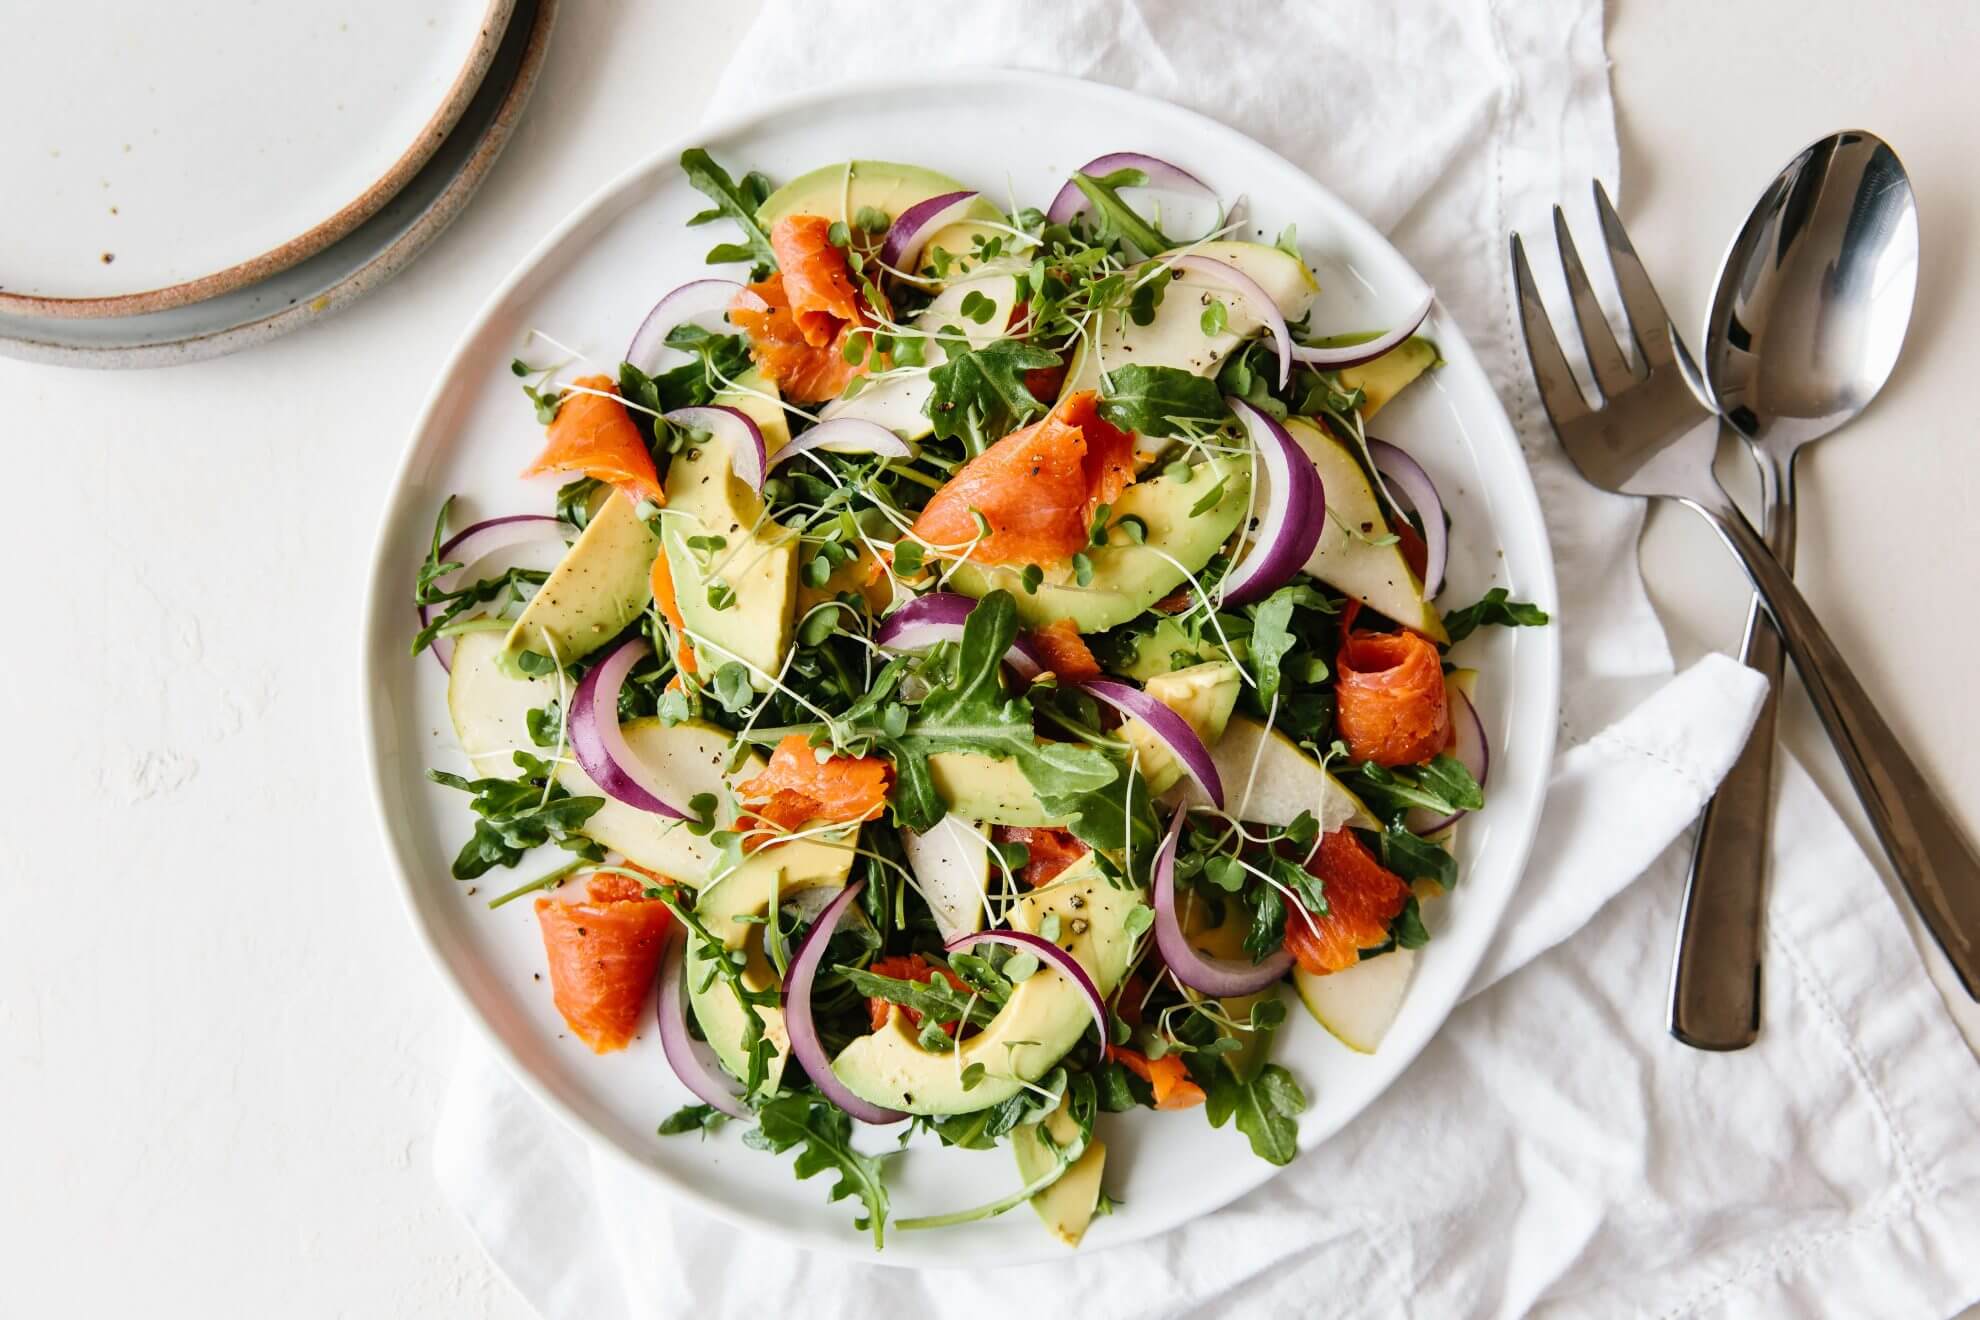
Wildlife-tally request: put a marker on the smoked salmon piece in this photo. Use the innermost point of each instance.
(596, 436)
(817, 282)
(603, 951)
(1363, 897)
(906, 967)
(1051, 850)
(797, 788)
(1389, 699)
(1037, 488)
(1066, 653)
(662, 582)
(1168, 1075)
(803, 371)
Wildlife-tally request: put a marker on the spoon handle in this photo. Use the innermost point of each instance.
(1937, 866)
(1715, 970)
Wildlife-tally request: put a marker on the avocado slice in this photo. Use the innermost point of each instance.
(727, 908)
(1349, 556)
(756, 568)
(1067, 1205)
(490, 708)
(1203, 695)
(1043, 1019)
(1225, 939)
(1129, 576)
(841, 191)
(1268, 779)
(598, 587)
(1382, 379)
(1155, 651)
(988, 789)
(897, 403)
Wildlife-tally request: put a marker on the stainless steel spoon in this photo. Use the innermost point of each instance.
(1814, 296)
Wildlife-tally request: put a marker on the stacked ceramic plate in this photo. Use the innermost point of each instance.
(230, 171)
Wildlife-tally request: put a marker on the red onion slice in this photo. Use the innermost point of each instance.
(1472, 752)
(747, 455)
(1407, 476)
(600, 744)
(939, 616)
(1253, 293)
(846, 435)
(477, 542)
(1161, 174)
(1220, 978)
(1295, 511)
(682, 1049)
(695, 298)
(1052, 956)
(1353, 355)
(916, 224)
(1165, 724)
(810, 1051)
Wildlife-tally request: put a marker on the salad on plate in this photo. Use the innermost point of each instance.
(987, 658)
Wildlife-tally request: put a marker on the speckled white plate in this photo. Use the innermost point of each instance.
(160, 154)
(590, 283)
(313, 289)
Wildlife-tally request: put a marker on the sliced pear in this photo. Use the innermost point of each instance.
(897, 402)
(1175, 338)
(1354, 555)
(1286, 781)
(1359, 1004)
(951, 865)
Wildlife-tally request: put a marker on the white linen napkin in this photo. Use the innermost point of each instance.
(1552, 1149)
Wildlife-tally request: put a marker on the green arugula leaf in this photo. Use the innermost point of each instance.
(1494, 607)
(692, 1118)
(1442, 786)
(936, 1000)
(1408, 929)
(1267, 1107)
(979, 396)
(1117, 217)
(516, 815)
(1415, 858)
(1150, 400)
(822, 1133)
(735, 203)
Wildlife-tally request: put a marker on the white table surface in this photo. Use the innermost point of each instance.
(221, 1050)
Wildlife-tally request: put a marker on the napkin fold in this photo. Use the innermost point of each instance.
(1552, 1149)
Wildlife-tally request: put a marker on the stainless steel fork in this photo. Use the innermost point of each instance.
(1649, 435)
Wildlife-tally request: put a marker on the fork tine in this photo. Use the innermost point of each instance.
(1558, 392)
(1605, 357)
(1657, 340)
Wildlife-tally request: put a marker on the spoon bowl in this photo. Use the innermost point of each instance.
(1815, 293)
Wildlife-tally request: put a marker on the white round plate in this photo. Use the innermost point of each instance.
(157, 154)
(314, 289)
(590, 284)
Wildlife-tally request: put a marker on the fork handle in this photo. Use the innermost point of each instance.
(1936, 865)
(1715, 970)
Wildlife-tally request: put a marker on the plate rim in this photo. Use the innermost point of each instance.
(494, 26)
(385, 581)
